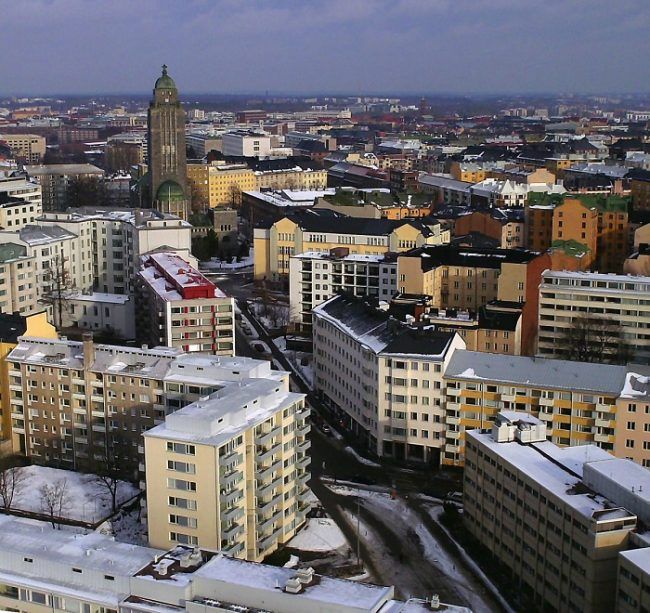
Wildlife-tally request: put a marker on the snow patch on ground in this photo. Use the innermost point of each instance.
(126, 527)
(296, 359)
(217, 264)
(87, 500)
(361, 459)
(319, 534)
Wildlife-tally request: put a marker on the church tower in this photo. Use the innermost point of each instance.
(166, 140)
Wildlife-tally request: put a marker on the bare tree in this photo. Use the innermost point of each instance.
(591, 338)
(109, 472)
(12, 481)
(57, 287)
(235, 194)
(55, 499)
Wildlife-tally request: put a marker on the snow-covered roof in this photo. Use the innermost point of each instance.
(639, 558)
(351, 257)
(555, 469)
(537, 372)
(226, 413)
(99, 297)
(593, 277)
(326, 590)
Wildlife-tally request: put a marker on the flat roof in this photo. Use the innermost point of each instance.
(639, 558)
(554, 469)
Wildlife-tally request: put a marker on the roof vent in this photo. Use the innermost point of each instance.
(305, 575)
(293, 586)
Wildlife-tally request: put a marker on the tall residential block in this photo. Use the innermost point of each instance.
(229, 472)
(179, 307)
(532, 506)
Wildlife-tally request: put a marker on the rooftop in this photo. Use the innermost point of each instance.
(62, 169)
(537, 372)
(432, 256)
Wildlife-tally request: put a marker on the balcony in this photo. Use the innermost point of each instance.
(231, 458)
(263, 491)
(230, 479)
(232, 514)
(265, 438)
(303, 447)
(266, 453)
(264, 525)
(232, 531)
(452, 420)
(263, 506)
(264, 473)
(267, 542)
(604, 423)
(233, 550)
(303, 430)
(303, 462)
(228, 498)
(305, 496)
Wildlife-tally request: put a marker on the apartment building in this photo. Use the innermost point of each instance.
(504, 225)
(526, 501)
(622, 300)
(54, 180)
(29, 148)
(632, 425)
(246, 143)
(216, 184)
(110, 242)
(577, 400)
(229, 472)
(29, 192)
(47, 570)
(447, 189)
(313, 230)
(633, 581)
(296, 178)
(316, 276)
(19, 286)
(71, 403)
(179, 307)
(203, 143)
(640, 189)
(467, 278)
(383, 379)
(598, 224)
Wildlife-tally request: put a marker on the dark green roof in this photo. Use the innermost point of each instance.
(610, 204)
(170, 190)
(165, 81)
(571, 247)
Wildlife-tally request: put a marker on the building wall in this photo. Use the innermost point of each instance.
(247, 494)
(633, 584)
(561, 560)
(640, 190)
(539, 227)
(30, 147)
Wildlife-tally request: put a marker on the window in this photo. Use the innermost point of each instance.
(181, 447)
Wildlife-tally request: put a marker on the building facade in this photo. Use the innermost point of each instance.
(179, 307)
(29, 148)
(230, 470)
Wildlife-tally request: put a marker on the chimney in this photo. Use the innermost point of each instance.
(89, 349)
(137, 217)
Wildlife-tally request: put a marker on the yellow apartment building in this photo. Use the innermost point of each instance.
(229, 472)
(576, 400)
(310, 231)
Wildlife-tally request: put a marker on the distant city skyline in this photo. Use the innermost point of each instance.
(338, 46)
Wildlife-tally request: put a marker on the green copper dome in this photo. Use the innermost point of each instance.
(170, 191)
(165, 81)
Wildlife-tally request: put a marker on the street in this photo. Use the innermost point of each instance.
(399, 542)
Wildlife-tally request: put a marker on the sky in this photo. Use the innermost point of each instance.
(325, 46)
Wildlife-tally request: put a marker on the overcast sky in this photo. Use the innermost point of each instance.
(301, 46)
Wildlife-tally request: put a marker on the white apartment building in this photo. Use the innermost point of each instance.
(99, 312)
(384, 380)
(180, 307)
(20, 202)
(230, 471)
(537, 508)
(50, 571)
(623, 300)
(246, 143)
(316, 276)
(18, 283)
(112, 241)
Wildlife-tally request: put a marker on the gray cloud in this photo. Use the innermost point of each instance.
(325, 45)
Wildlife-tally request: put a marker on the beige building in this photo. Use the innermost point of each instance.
(632, 425)
(315, 231)
(219, 184)
(22, 202)
(526, 501)
(633, 584)
(623, 300)
(28, 147)
(296, 178)
(229, 472)
(383, 380)
(19, 288)
(179, 307)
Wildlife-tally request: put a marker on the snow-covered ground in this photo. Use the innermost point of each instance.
(253, 332)
(271, 316)
(126, 527)
(319, 534)
(400, 517)
(361, 459)
(296, 358)
(216, 264)
(85, 499)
